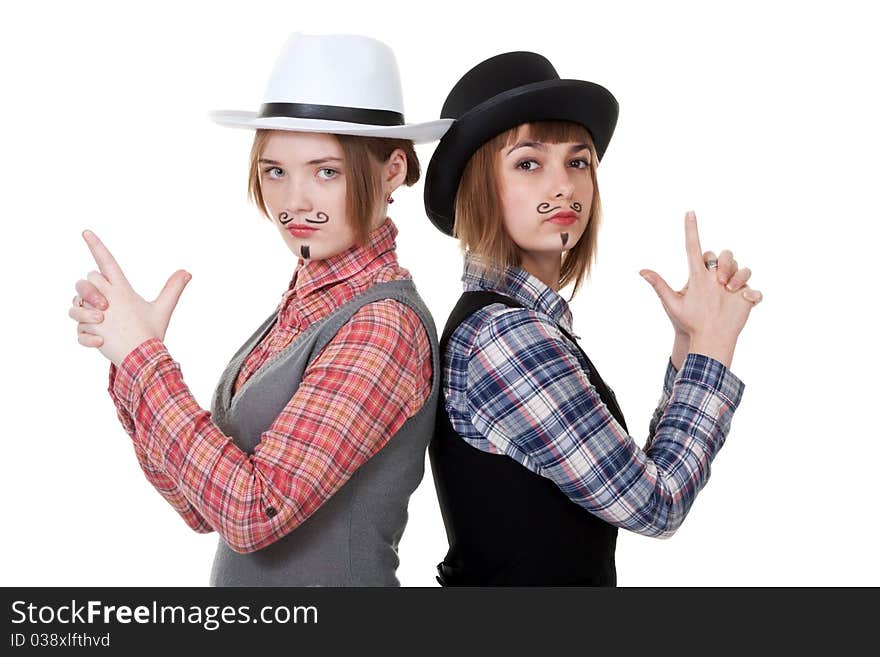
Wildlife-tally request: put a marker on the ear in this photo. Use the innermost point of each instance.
(394, 170)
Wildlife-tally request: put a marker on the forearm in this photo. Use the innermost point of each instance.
(689, 435)
(159, 480)
(652, 491)
(168, 489)
(175, 437)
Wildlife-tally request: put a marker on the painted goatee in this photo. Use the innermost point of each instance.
(304, 250)
(564, 237)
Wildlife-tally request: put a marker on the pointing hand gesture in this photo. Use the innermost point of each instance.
(128, 320)
(711, 315)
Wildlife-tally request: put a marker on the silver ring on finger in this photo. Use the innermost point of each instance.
(711, 264)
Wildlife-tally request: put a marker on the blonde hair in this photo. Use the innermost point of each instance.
(363, 189)
(479, 220)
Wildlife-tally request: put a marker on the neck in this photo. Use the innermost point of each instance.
(379, 218)
(543, 266)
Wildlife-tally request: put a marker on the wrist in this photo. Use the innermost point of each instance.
(135, 367)
(682, 340)
(714, 347)
(680, 349)
(131, 346)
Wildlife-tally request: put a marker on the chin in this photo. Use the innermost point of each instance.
(295, 248)
(555, 246)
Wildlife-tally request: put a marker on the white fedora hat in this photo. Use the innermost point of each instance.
(339, 83)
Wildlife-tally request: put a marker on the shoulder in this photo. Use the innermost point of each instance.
(388, 323)
(518, 353)
(389, 313)
(510, 330)
(499, 322)
(387, 340)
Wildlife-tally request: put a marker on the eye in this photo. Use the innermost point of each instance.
(327, 174)
(525, 165)
(580, 163)
(269, 171)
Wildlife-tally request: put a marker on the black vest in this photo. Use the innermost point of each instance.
(506, 525)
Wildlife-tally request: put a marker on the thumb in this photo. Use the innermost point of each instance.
(666, 294)
(170, 294)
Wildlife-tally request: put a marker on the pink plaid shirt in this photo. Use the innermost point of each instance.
(373, 375)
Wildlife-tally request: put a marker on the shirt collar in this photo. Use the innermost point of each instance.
(515, 282)
(313, 275)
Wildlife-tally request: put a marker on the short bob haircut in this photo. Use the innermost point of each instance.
(479, 223)
(363, 189)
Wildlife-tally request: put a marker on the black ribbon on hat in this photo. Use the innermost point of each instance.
(330, 113)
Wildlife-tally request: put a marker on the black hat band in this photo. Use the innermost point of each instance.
(331, 113)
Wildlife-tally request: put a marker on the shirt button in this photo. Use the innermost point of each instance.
(271, 512)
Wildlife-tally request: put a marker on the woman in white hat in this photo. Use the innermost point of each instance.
(318, 428)
(534, 466)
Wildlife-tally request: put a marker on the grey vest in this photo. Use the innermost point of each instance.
(352, 539)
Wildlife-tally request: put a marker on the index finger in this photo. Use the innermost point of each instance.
(106, 262)
(692, 243)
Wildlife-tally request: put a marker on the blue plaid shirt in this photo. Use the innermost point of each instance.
(516, 385)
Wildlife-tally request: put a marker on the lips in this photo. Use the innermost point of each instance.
(563, 218)
(299, 230)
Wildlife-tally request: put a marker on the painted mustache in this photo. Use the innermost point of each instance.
(322, 218)
(545, 208)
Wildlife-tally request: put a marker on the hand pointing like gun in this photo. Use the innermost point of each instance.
(704, 309)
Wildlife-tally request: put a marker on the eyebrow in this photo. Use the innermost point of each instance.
(540, 146)
(318, 161)
(525, 144)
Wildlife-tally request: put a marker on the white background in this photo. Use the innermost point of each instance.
(762, 117)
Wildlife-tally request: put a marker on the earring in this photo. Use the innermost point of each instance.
(389, 200)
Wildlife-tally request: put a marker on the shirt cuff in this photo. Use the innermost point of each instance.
(712, 374)
(134, 368)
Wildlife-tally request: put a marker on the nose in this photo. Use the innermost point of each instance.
(562, 186)
(296, 198)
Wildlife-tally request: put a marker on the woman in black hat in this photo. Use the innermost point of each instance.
(534, 466)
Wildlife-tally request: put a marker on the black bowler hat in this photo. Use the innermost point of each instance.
(502, 93)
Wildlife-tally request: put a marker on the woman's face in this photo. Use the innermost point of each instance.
(303, 183)
(546, 193)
